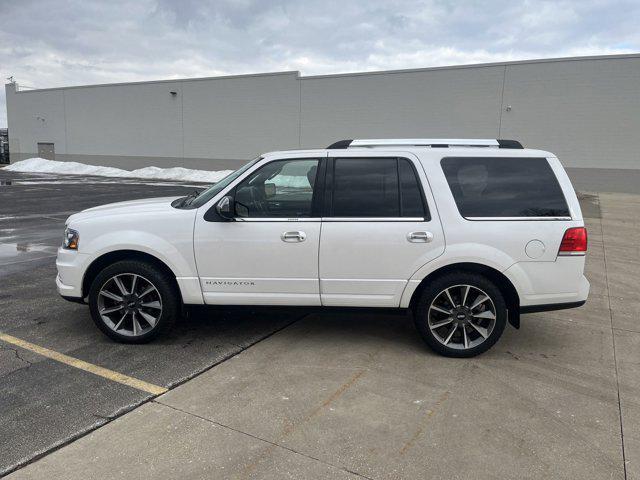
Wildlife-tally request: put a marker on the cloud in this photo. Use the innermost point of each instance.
(47, 43)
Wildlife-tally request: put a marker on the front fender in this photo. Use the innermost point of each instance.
(178, 257)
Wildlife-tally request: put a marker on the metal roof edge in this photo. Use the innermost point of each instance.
(174, 80)
(352, 74)
(477, 65)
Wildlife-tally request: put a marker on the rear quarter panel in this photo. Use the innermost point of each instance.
(502, 244)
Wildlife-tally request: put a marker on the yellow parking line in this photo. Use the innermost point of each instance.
(82, 365)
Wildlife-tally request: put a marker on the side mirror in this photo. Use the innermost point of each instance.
(224, 208)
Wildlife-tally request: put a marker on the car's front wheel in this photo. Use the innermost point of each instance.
(461, 314)
(133, 301)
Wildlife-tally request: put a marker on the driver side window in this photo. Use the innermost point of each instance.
(280, 189)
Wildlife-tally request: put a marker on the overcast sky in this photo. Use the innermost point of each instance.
(49, 43)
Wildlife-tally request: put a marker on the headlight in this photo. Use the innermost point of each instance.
(71, 239)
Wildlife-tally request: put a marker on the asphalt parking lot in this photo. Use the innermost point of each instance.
(275, 393)
(45, 403)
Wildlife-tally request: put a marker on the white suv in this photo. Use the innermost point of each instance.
(466, 234)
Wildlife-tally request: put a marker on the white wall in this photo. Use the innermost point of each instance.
(587, 111)
(449, 103)
(33, 118)
(226, 118)
(123, 120)
(240, 117)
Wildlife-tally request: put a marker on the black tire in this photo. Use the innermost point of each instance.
(165, 289)
(457, 282)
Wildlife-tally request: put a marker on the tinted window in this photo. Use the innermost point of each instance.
(375, 187)
(366, 188)
(411, 201)
(212, 191)
(504, 187)
(283, 188)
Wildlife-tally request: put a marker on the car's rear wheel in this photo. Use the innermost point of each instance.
(461, 314)
(133, 301)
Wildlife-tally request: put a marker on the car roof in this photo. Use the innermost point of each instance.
(423, 152)
(427, 147)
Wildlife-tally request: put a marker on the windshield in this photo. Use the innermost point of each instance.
(215, 189)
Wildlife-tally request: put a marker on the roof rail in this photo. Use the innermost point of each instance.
(426, 142)
(510, 144)
(339, 144)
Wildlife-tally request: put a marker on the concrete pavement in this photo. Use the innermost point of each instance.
(358, 396)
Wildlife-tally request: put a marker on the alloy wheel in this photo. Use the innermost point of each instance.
(129, 304)
(461, 317)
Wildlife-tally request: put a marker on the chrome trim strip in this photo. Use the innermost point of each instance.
(276, 219)
(511, 219)
(332, 219)
(373, 219)
(572, 254)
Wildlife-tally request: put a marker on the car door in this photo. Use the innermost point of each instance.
(379, 226)
(269, 254)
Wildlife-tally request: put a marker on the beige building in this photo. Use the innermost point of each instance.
(586, 109)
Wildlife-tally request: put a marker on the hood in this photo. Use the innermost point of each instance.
(132, 206)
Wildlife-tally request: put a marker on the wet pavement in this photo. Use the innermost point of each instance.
(33, 208)
(45, 403)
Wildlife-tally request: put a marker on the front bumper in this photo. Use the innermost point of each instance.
(67, 291)
(71, 266)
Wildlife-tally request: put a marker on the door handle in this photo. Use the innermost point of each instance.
(420, 237)
(293, 236)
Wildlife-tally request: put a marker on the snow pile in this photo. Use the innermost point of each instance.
(41, 165)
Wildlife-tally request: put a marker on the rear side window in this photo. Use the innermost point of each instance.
(376, 187)
(504, 187)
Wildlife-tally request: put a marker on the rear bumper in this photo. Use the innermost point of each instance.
(550, 283)
(551, 306)
(577, 297)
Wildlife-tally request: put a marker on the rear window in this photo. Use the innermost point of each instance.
(504, 187)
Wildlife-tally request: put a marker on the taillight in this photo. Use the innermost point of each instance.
(574, 242)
